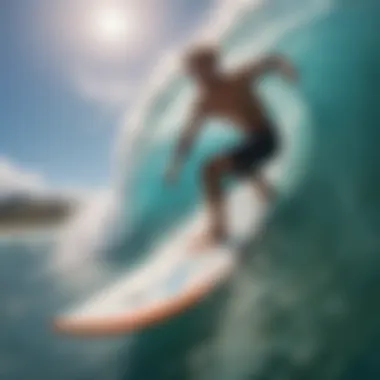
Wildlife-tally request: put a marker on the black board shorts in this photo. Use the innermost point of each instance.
(255, 150)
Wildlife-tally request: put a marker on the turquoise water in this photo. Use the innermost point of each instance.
(305, 303)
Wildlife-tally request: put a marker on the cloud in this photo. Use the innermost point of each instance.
(18, 181)
(15, 180)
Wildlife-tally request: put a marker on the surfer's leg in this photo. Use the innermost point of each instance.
(263, 147)
(214, 172)
(236, 162)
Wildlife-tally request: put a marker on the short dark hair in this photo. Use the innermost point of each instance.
(202, 53)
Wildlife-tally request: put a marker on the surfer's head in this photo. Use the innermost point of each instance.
(202, 62)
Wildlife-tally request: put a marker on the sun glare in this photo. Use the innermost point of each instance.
(112, 26)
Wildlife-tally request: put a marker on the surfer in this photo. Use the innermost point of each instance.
(228, 95)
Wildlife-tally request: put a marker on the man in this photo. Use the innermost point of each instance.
(228, 95)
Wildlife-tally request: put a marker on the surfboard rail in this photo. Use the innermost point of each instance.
(133, 321)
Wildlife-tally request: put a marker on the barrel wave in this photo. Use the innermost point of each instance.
(305, 303)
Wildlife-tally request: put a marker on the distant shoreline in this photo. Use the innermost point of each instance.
(21, 232)
(20, 217)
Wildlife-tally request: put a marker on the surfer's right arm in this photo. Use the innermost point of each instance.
(186, 140)
(269, 63)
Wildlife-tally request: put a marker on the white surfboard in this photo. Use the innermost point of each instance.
(172, 280)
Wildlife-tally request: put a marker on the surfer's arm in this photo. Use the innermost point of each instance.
(270, 63)
(186, 139)
(190, 131)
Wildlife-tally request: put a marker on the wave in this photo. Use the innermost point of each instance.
(305, 303)
(304, 306)
(149, 135)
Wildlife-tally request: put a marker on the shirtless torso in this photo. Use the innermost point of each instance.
(232, 99)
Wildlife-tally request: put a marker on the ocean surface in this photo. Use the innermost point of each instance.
(305, 304)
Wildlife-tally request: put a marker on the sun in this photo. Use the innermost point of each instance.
(111, 26)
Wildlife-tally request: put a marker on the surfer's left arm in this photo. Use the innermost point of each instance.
(274, 62)
(186, 140)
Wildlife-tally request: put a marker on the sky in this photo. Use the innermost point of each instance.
(70, 71)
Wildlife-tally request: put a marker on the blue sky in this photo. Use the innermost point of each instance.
(68, 76)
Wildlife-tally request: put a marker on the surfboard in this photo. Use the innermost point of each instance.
(173, 278)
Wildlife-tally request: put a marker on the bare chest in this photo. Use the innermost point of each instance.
(230, 100)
